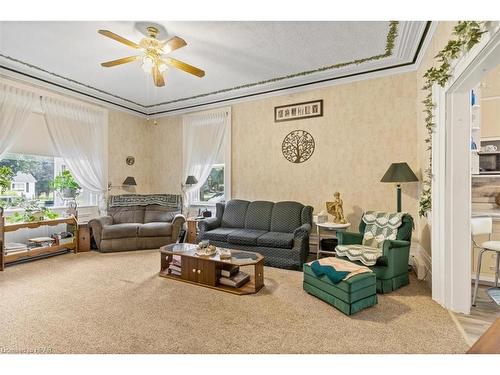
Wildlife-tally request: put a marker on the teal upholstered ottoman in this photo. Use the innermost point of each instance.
(349, 296)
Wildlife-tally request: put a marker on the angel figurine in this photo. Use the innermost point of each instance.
(336, 210)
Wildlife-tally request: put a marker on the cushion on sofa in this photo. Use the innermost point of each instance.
(133, 214)
(156, 213)
(276, 239)
(158, 229)
(259, 215)
(286, 217)
(218, 234)
(245, 236)
(124, 230)
(234, 214)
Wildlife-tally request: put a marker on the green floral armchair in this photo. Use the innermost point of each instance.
(391, 268)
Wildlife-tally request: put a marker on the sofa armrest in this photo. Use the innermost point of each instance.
(208, 224)
(398, 255)
(304, 229)
(349, 238)
(177, 225)
(96, 226)
(395, 244)
(301, 241)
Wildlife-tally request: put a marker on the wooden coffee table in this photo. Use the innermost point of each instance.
(205, 271)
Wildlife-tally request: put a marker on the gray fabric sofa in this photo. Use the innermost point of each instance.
(138, 222)
(279, 231)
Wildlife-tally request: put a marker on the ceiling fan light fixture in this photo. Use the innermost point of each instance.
(162, 67)
(147, 64)
(152, 57)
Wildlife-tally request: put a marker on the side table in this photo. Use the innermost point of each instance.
(192, 229)
(83, 237)
(331, 227)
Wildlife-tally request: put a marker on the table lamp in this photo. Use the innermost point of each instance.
(129, 181)
(190, 181)
(398, 173)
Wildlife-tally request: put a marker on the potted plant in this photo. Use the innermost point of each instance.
(65, 184)
(33, 211)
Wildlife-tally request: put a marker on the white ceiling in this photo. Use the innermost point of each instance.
(256, 55)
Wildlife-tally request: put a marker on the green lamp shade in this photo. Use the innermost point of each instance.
(399, 172)
(191, 180)
(129, 181)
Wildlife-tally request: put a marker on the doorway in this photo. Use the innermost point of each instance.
(452, 207)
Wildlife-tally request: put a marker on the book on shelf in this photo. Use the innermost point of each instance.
(173, 267)
(236, 280)
(40, 242)
(14, 247)
(177, 260)
(63, 238)
(174, 272)
(229, 270)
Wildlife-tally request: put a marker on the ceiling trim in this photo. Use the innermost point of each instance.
(54, 84)
(32, 66)
(389, 47)
(390, 42)
(287, 88)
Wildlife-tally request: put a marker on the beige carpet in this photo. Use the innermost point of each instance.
(116, 303)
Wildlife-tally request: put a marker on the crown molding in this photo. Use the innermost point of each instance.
(398, 57)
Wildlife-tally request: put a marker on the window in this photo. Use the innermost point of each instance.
(33, 176)
(207, 136)
(212, 191)
(18, 186)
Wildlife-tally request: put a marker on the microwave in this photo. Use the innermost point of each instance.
(489, 162)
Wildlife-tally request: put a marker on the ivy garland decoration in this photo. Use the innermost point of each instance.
(468, 34)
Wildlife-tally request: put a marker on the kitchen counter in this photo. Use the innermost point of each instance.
(495, 214)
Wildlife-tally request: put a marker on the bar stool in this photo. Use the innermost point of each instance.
(481, 226)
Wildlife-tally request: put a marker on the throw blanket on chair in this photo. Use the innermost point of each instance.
(336, 269)
(380, 226)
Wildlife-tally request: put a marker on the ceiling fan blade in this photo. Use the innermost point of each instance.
(118, 38)
(186, 67)
(158, 77)
(123, 60)
(173, 43)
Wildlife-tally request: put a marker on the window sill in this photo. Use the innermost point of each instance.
(54, 208)
(202, 204)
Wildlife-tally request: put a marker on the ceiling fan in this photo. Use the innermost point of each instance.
(153, 54)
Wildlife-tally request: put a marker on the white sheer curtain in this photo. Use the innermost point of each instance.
(15, 106)
(80, 136)
(203, 137)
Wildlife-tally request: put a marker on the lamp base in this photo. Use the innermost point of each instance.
(398, 197)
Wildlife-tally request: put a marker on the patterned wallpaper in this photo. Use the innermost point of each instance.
(366, 126)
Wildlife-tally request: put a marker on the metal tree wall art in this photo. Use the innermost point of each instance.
(298, 146)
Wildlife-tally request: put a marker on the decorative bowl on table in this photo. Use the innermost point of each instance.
(224, 254)
(204, 249)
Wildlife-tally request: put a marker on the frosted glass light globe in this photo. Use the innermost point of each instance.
(147, 64)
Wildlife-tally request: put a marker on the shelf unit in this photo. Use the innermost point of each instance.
(475, 131)
(37, 252)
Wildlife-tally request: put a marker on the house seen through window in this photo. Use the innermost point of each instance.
(32, 180)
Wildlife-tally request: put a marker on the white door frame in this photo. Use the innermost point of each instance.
(451, 188)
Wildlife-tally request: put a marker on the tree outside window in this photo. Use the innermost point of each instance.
(212, 191)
